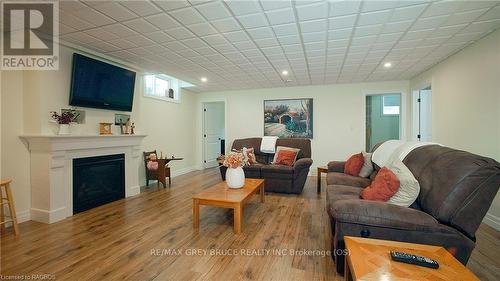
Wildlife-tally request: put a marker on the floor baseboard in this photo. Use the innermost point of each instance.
(492, 221)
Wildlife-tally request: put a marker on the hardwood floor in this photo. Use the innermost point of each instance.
(130, 239)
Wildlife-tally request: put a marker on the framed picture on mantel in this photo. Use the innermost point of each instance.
(289, 118)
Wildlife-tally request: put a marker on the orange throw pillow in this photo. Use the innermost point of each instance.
(383, 187)
(354, 164)
(286, 157)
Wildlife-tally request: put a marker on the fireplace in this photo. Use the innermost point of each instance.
(97, 181)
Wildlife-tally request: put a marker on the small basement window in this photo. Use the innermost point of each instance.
(161, 87)
(391, 104)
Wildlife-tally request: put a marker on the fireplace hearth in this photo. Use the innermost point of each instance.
(97, 181)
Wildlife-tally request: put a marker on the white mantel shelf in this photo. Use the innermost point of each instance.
(51, 168)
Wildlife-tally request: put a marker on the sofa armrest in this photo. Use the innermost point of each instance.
(301, 164)
(336, 166)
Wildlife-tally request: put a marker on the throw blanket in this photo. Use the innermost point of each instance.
(391, 149)
(268, 144)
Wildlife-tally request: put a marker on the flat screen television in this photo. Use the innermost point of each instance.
(97, 84)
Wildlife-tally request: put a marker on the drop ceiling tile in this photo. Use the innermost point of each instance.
(342, 22)
(141, 8)
(215, 39)
(268, 42)
(243, 7)
(206, 51)
(272, 50)
(287, 40)
(114, 10)
(368, 30)
(180, 33)
(407, 13)
(273, 4)
(428, 23)
(213, 10)
(159, 37)
(245, 45)
(286, 29)
(102, 34)
(123, 43)
(202, 29)
(442, 8)
(369, 6)
(175, 46)
(493, 13)
(261, 32)
(364, 40)
(339, 43)
(120, 30)
(340, 34)
(315, 46)
(73, 21)
(187, 16)
(281, 16)
(253, 20)
(93, 16)
(194, 43)
(79, 37)
(342, 8)
(226, 25)
(374, 17)
(103, 47)
(140, 25)
(162, 21)
(465, 17)
(314, 36)
(399, 26)
(63, 29)
(389, 37)
(292, 48)
(140, 40)
(171, 5)
(312, 11)
(447, 30)
(313, 25)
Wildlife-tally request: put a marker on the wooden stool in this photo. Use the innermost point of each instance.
(9, 200)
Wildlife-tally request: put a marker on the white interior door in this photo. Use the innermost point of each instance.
(213, 121)
(422, 114)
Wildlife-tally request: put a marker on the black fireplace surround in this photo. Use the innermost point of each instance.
(97, 181)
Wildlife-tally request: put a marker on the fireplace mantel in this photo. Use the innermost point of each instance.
(51, 168)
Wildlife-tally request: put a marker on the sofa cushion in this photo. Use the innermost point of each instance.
(341, 192)
(383, 187)
(277, 169)
(354, 164)
(253, 171)
(334, 178)
(382, 214)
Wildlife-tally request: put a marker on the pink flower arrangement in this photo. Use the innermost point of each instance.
(65, 118)
(233, 160)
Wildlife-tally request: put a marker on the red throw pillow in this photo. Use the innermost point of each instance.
(286, 157)
(383, 187)
(354, 164)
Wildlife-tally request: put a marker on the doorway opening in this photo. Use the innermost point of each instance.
(383, 118)
(422, 114)
(213, 132)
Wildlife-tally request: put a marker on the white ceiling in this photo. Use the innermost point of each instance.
(246, 44)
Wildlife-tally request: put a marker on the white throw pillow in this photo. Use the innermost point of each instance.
(367, 168)
(409, 187)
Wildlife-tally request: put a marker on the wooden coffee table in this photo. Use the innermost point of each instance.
(222, 196)
(370, 259)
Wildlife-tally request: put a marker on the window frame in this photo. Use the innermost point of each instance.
(383, 106)
(171, 84)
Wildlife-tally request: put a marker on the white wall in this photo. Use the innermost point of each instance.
(466, 102)
(339, 115)
(27, 97)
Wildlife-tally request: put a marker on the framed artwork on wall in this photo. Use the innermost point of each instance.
(289, 118)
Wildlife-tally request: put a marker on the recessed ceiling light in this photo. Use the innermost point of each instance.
(204, 79)
(284, 72)
(387, 64)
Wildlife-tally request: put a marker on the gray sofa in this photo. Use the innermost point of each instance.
(278, 178)
(457, 189)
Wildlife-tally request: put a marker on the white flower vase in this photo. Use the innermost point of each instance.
(235, 178)
(64, 129)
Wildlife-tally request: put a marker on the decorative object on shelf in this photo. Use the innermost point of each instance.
(235, 177)
(78, 115)
(171, 93)
(289, 118)
(132, 128)
(127, 128)
(64, 120)
(121, 118)
(105, 128)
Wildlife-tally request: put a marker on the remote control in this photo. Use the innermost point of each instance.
(413, 259)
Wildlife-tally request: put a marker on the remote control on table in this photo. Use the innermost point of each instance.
(413, 259)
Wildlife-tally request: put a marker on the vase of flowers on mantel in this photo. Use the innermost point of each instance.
(64, 120)
(235, 176)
